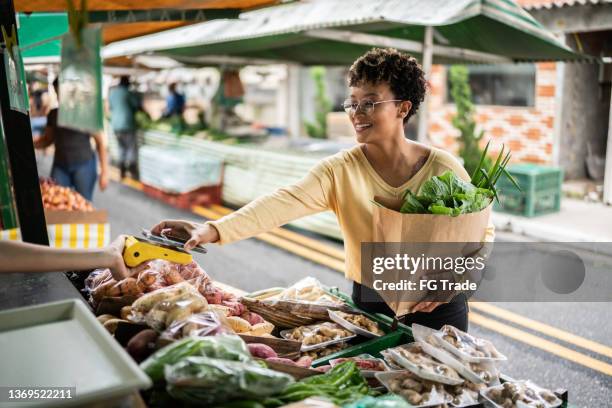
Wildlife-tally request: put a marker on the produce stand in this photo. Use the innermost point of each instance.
(15, 291)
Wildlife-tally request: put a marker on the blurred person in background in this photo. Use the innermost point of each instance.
(39, 107)
(123, 104)
(175, 102)
(74, 160)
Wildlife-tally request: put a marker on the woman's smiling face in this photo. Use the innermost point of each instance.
(385, 120)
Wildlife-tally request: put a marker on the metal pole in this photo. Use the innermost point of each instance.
(427, 60)
(608, 174)
(20, 148)
(294, 82)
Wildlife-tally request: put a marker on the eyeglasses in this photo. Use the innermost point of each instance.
(366, 107)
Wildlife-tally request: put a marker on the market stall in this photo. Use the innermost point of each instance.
(201, 342)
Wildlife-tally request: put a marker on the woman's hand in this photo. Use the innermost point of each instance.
(426, 307)
(103, 182)
(116, 264)
(195, 234)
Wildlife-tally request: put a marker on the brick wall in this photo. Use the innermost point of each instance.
(528, 131)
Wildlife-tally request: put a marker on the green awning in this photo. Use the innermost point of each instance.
(39, 35)
(336, 32)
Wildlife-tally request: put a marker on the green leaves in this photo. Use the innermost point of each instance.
(446, 194)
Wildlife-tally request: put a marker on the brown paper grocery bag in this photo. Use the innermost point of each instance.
(391, 226)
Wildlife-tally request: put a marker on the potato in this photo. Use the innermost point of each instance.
(111, 325)
(238, 324)
(223, 310)
(156, 319)
(261, 329)
(176, 314)
(126, 311)
(142, 344)
(105, 317)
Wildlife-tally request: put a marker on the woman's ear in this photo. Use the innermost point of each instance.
(405, 108)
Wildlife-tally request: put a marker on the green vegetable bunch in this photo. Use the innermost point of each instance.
(228, 347)
(211, 381)
(341, 385)
(447, 194)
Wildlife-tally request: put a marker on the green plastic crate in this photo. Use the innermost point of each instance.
(540, 190)
(372, 347)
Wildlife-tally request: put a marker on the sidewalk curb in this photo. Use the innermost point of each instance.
(531, 228)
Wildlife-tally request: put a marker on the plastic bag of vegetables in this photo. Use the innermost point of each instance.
(387, 401)
(224, 346)
(204, 380)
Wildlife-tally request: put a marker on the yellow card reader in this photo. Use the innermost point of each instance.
(138, 250)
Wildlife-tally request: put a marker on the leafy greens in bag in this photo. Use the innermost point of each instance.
(448, 194)
(204, 380)
(228, 347)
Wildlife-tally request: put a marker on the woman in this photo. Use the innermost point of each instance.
(74, 161)
(386, 89)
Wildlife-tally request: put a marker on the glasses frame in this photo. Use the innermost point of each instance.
(353, 110)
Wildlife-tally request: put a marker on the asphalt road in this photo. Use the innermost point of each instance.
(252, 265)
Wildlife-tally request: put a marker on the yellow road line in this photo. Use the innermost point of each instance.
(295, 237)
(543, 328)
(546, 345)
(289, 246)
(115, 175)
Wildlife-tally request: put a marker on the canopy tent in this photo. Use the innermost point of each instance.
(28, 6)
(336, 32)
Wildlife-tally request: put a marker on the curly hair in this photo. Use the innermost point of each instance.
(401, 71)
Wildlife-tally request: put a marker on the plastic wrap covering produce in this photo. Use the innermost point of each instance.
(466, 346)
(56, 197)
(342, 385)
(484, 372)
(208, 381)
(100, 284)
(387, 401)
(159, 309)
(414, 358)
(177, 170)
(308, 290)
(520, 394)
(223, 346)
(415, 390)
(318, 335)
(201, 324)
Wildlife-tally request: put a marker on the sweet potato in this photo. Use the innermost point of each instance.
(281, 360)
(128, 287)
(304, 361)
(236, 308)
(142, 344)
(252, 318)
(260, 350)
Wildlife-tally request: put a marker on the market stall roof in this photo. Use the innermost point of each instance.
(110, 5)
(336, 32)
(39, 31)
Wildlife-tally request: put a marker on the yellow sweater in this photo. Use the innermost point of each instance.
(344, 183)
